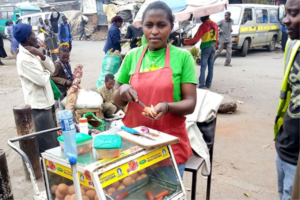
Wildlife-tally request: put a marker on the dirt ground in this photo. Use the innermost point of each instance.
(244, 154)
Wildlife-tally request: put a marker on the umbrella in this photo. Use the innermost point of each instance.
(183, 9)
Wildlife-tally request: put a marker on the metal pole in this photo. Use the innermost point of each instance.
(76, 182)
(5, 184)
(24, 125)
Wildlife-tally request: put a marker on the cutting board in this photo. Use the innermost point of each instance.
(161, 139)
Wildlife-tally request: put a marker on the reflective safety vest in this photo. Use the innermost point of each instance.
(291, 50)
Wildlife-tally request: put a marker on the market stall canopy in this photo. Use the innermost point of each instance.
(201, 8)
(183, 9)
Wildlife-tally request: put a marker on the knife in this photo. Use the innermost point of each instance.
(134, 132)
(139, 102)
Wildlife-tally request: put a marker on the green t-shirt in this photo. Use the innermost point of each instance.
(181, 61)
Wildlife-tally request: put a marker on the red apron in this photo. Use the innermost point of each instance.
(152, 88)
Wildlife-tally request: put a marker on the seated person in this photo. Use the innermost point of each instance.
(107, 92)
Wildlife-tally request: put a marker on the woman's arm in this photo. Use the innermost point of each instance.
(123, 94)
(184, 107)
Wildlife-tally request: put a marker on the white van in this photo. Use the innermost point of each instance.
(33, 19)
(254, 25)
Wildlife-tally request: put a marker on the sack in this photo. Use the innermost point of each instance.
(110, 65)
(94, 122)
(86, 99)
(56, 91)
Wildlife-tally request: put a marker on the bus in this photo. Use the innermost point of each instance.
(13, 12)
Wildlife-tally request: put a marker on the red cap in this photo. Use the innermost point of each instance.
(82, 120)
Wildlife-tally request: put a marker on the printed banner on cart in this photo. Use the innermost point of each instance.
(133, 166)
(84, 178)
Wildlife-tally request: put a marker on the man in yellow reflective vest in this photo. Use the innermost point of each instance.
(287, 124)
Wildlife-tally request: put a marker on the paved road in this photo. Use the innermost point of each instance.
(244, 155)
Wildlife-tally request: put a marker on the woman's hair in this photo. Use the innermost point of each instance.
(64, 48)
(109, 77)
(117, 19)
(158, 5)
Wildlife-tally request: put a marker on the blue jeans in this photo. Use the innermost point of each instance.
(181, 168)
(286, 176)
(207, 58)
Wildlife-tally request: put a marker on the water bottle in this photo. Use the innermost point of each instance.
(68, 128)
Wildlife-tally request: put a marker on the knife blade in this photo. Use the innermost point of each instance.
(134, 132)
(141, 103)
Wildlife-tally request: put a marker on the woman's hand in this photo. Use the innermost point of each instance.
(68, 83)
(128, 93)
(35, 52)
(160, 109)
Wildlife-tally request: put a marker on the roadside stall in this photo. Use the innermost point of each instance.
(117, 164)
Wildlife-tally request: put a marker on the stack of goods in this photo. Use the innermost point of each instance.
(84, 142)
(122, 184)
(65, 192)
(108, 146)
(72, 92)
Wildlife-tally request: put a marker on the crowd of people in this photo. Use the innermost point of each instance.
(156, 73)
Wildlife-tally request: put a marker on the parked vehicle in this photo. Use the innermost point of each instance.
(254, 25)
(33, 19)
(14, 12)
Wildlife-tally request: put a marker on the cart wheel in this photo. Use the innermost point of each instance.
(198, 61)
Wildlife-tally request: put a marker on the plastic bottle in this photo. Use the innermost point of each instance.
(68, 128)
(83, 125)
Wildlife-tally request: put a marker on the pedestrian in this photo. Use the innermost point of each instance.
(14, 44)
(54, 21)
(5, 30)
(107, 92)
(62, 76)
(64, 33)
(49, 31)
(135, 33)
(82, 28)
(287, 123)
(225, 40)
(163, 75)
(284, 37)
(2, 50)
(208, 33)
(40, 26)
(114, 40)
(34, 69)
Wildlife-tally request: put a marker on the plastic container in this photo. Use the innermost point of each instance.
(84, 143)
(83, 125)
(108, 146)
(68, 128)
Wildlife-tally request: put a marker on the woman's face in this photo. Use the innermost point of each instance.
(157, 28)
(119, 24)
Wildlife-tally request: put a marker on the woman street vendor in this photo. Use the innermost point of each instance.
(114, 40)
(161, 75)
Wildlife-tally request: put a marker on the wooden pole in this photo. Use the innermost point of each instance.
(24, 125)
(5, 184)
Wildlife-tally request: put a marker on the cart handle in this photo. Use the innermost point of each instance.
(25, 158)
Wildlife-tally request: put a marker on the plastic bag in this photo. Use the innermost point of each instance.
(94, 122)
(56, 91)
(86, 99)
(110, 65)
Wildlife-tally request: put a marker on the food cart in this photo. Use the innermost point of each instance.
(145, 166)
